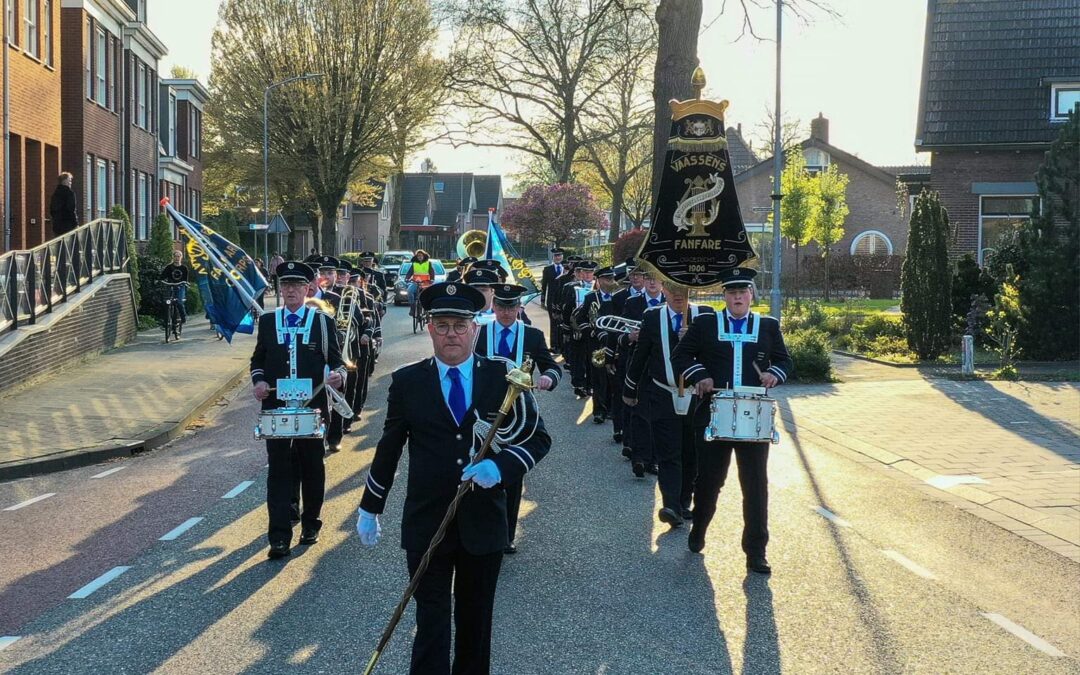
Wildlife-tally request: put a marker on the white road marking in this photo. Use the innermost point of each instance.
(109, 472)
(832, 517)
(238, 489)
(28, 502)
(89, 588)
(944, 482)
(1024, 634)
(911, 565)
(7, 640)
(180, 529)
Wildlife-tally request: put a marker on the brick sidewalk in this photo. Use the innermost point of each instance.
(1008, 452)
(138, 396)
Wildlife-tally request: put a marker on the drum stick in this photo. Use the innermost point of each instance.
(759, 373)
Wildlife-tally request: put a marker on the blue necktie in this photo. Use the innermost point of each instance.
(457, 395)
(504, 344)
(654, 302)
(678, 322)
(292, 321)
(558, 270)
(737, 325)
(604, 297)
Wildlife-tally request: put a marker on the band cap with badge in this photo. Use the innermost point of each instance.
(452, 298)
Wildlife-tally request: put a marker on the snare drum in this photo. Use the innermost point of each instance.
(739, 416)
(290, 423)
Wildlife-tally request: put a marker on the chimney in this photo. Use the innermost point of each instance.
(819, 128)
(738, 129)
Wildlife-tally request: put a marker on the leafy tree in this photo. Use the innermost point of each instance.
(827, 225)
(799, 206)
(1049, 245)
(926, 280)
(332, 127)
(180, 72)
(627, 246)
(524, 73)
(1003, 325)
(553, 213)
(161, 239)
(969, 283)
(117, 212)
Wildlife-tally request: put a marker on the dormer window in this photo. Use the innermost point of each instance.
(440, 187)
(817, 160)
(1063, 98)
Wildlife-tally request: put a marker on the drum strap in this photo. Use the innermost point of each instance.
(665, 345)
(579, 294)
(737, 340)
(303, 330)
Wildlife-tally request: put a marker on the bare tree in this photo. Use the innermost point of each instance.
(792, 132)
(333, 126)
(523, 71)
(617, 127)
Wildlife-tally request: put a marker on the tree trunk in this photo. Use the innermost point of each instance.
(826, 256)
(328, 229)
(796, 273)
(394, 238)
(678, 22)
(615, 215)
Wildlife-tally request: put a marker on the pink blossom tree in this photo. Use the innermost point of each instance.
(554, 213)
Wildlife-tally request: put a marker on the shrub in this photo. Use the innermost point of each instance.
(148, 323)
(161, 241)
(809, 315)
(809, 349)
(927, 280)
(151, 290)
(194, 303)
(118, 213)
(627, 246)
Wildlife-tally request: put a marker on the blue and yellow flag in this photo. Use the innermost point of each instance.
(499, 248)
(228, 279)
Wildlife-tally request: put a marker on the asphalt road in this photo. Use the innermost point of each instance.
(870, 575)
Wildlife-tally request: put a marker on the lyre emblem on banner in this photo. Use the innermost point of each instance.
(699, 206)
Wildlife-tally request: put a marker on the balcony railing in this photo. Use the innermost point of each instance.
(34, 282)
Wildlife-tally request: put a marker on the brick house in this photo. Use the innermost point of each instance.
(34, 86)
(109, 107)
(180, 167)
(875, 224)
(365, 226)
(998, 80)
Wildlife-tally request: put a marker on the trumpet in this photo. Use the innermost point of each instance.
(616, 324)
(599, 358)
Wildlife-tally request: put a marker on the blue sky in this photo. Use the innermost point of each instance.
(861, 70)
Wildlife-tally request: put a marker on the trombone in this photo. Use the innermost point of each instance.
(346, 326)
(616, 324)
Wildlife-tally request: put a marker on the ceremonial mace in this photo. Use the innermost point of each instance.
(520, 380)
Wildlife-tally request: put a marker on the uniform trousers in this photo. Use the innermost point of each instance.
(554, 330)
(513, 506)
(473, 579)
(663, 438)
(578, 362)
(287, 458)
(714, 459)
(619, 413)
(603, 386)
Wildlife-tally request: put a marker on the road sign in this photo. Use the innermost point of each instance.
(761, 209)
(259, 227)
(278, 225)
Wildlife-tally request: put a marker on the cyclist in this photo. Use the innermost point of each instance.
(419, 276)
(175, 277)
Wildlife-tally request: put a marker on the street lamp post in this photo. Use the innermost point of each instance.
(266, 140)
(775, 300)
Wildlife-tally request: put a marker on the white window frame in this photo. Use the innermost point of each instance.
(817, 168)
(980, 248)
(141, 198)
(88, 190)
(1055, 90)
(113, 183)
(140, 96)
(866, 233)
(88, 56)
(46, 31)
(11, 22)
(172, 124)
(30, 21)
(101, 60)
(101, 184)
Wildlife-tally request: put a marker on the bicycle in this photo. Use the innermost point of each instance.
(174, 315)
(419, 316)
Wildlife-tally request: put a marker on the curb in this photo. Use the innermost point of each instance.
(114, 448)
(880, 362)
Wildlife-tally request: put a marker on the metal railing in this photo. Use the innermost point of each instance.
(34, 282)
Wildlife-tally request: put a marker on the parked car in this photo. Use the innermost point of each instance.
(389, 263)
(401, 287)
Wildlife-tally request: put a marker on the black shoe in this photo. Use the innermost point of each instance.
(278, 550)
(758, 563)
(578, 393)
(309, 537)
(696, 542)
(639, 469)
(510, 550)
(294, 518)
(617, 437)
(687, 514)
(627, 452)
(653, 469)
(597, 419)
(669, 516)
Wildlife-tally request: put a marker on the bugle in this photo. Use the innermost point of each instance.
(616, 324)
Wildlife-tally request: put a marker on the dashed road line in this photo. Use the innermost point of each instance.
(832, 517)
(28, 502)
(911, 565)
(1024, 634)
(7, 640)
(180, 529)
(89, 588)
(238, 489)
(946, 481)
(109, 472)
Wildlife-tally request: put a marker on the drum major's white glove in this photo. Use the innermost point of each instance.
(367, 526)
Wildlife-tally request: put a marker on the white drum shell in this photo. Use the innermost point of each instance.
(290, 423)
(742, 417)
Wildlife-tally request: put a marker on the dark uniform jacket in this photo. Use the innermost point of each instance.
(548, 287)
(568, 304)
(647, 362)
(700, 355)
(594, 305)
(535, 347)
(555, 290)
(270, 361)
(417, 415)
